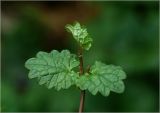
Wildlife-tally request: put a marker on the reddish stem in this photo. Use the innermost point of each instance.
(82, 98)
(81, 71)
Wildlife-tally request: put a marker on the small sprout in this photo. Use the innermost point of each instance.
(57, 69)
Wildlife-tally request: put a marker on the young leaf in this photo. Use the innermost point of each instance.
(80, 34)
(103, 78)
(55, 69)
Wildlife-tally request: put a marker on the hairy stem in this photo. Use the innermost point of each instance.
(81, 71)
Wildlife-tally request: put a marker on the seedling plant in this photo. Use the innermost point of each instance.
(57, 69)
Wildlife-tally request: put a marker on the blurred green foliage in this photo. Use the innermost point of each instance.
(124, 33)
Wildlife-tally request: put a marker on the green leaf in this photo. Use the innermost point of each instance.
(54, 69)
(103, 78)
(80, 34)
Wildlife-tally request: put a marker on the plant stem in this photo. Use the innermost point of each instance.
(81, 71)
(82, 98)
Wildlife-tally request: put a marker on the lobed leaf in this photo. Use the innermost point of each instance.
(80, 34)
(103, 78)
(54, 69)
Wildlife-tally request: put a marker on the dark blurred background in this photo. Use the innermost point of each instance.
(124, 33)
